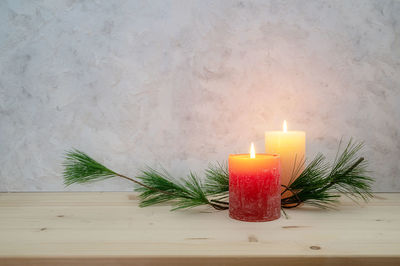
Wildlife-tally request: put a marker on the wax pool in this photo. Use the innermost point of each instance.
(254, 187)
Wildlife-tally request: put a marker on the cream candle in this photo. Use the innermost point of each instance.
(291, 147)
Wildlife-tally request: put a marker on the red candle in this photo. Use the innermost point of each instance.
(254, 187)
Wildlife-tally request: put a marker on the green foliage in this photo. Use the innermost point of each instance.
(217, 180)
(80, 168)
(307, 188)
(317, 185)
(154, 186)
(185, 193)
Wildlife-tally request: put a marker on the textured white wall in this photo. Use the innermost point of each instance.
(183, 83)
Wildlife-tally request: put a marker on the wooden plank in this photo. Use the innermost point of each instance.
(200, 261)
(109, 228)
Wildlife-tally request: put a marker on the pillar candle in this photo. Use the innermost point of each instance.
(254, 187)
(291, 147)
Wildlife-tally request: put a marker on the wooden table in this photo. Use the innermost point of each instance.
(108, 228)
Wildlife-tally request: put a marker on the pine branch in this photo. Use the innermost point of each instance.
(186, 193)
(80, 168)
(217, 180)
(317, 185)
(155, 187)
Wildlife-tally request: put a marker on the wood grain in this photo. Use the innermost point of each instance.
(108, 228)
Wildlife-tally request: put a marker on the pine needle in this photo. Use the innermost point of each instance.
(80, 168)
(318, 185)
(154, 186)
(187, 193)
(217, 179)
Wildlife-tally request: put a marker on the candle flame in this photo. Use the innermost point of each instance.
(252, 151)
(284, 126)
